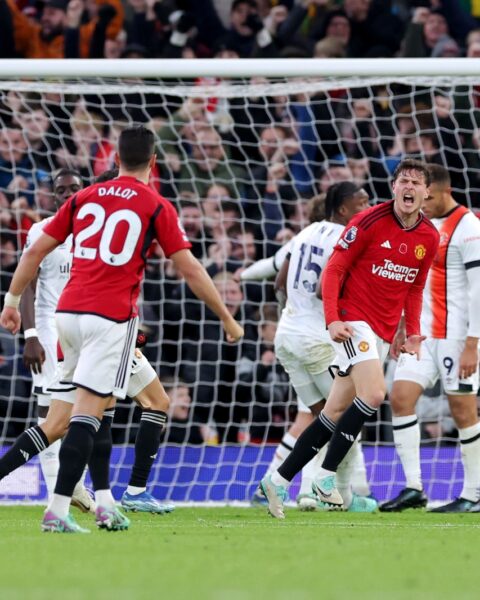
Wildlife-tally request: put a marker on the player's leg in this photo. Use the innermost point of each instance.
(303, 418)
(75, 452)
(462, 398)
(48, 458)
(97, 355)
(352, 501)
(362, 356)
(406, 434)
(412, 376)
(36, 439)
(146, 388)
(308, 445)
(359, 476)
(369, 392)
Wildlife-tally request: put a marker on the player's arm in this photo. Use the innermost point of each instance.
(203, 287)
(350, 246)
(414, 301)
(33, 352)
(399, 339)
(266, 267)
(24, 273)
(281, 282)
(469, 358)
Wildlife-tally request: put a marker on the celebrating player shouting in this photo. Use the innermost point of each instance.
(113, 225)
(378, 269)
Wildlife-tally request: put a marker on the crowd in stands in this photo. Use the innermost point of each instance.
(239, 28)
(240, 171)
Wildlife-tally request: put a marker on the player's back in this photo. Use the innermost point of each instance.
(113, 225)
(309, 253)
(446, 298)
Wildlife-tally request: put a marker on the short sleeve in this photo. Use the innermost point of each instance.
(32, 236)
(470, 243)
(60, 227)
(169, 231)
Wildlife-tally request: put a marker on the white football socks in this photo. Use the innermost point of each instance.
(310, 471)
(281, 452)
(406, 434)
(358, 477)
(470, 449)
(49, 463)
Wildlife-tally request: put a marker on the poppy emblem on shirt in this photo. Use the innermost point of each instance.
(420, 251)
(363, 346)
(350, 235)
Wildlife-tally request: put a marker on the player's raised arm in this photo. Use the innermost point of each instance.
(24, 273)
(203, 287)
(281, 282)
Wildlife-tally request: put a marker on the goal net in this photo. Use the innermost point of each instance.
(240, 157)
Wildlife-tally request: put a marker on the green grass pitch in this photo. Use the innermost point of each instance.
(242, 554)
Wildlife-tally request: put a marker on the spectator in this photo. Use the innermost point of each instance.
(209, 164)
(247, 34)
(180, 429)
(17, 174)
(214, 365)
(191, 215)
(424, 31)
(58, 29)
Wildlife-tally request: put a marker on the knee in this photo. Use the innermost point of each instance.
(464, 410)
(401, 402)
(374, 397)
(160, 403)
(54, 430)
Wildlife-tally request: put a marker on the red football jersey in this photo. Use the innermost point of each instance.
(113, 225)
(378, 269)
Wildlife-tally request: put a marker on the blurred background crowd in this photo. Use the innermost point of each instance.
(241, 169)
(238, 28)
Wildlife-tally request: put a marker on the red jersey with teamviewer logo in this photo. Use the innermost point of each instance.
(378, 269)
(113, 225)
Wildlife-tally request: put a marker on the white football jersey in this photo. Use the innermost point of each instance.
(309, 253)
(446, 297)
(53, 275)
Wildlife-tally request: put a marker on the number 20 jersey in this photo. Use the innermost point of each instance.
(113, 225)
(309, 253)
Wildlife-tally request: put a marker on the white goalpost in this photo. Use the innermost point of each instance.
(242, 145)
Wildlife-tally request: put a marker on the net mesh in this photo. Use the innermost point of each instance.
(240, 159)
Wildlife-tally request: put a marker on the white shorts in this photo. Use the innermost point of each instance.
(98, 353)
(438, 359)
(47, 336)
(306, 360)
(363, 345)
(141, 375)
(301, 407)
(41, 381)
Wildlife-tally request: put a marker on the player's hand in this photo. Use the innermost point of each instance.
(413, 344)
(33, 355)
(340, 331)
(10, 319)
(233, 330)
(468, 360)
(398, 341)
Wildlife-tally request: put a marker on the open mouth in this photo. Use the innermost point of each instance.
(409, 199)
